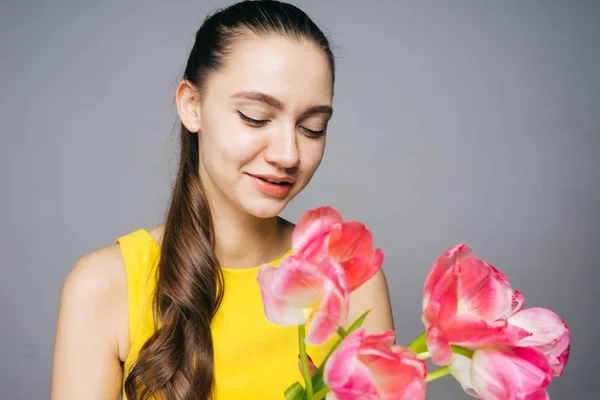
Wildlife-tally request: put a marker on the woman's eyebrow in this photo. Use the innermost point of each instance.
(278, 104)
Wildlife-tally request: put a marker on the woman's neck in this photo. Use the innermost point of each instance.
(244, 241)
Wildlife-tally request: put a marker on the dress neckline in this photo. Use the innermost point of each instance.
(235, 271)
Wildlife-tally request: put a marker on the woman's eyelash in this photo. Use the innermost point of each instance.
(262, 122)
(252, 120)
(314, 133)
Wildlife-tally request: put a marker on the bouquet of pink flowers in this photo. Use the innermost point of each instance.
(476, 326)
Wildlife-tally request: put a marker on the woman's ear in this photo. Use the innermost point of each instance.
(188, 105)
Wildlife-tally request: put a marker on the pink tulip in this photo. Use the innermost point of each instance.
(297, 292)
(503, 373)
(466, 302)
(323, 233)
(369, 366)
(548, 333)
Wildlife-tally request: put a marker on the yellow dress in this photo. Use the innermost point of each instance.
(254, 358)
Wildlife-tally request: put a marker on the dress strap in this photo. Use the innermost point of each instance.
(141, 256)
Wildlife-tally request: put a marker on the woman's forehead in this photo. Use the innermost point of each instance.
(286, 69)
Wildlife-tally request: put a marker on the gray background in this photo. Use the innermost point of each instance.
(462, 121)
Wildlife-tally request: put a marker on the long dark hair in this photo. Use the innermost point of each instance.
(177, 361)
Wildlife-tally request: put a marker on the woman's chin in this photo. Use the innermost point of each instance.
(264, 208)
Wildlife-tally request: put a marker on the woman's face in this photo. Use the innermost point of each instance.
(262, 121)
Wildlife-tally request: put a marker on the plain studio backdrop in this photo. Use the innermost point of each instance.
(463, 121)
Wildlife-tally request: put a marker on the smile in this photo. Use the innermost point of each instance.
(273, 186)
(271, 180)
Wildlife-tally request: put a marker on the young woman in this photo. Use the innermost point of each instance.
(145, 318)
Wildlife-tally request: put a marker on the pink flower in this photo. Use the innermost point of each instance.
(517, 351)
(297, 292)
(466, 302)
(548, 333)
(323, 233)
(503, 373)
(369, 366)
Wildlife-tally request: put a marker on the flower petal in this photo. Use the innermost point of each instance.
(460, 368)
(334, 307)
(345, 375)
(360, 269)
(518, 302)
(350, 239)
(471, 331)
(560, 356)
(541, 394)
(312, 226)
(378, 340)
(549, 334)
(351, 244)
(545, 325)
(441, 265)
(438, 346)
(441, 310)
(396, 371)
(290, 291)
(483, 290)
(414, 390)
(500, 373)
(443, 300)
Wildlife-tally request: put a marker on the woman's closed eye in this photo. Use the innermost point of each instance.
(313, 133)
(252, 121)
(256, 123)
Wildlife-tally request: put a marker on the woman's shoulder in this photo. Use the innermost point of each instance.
(97, 273)
(98, 282)
(104, 268)
(103, 271)
(97, 285)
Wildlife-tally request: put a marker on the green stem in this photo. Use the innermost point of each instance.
(321, 393)
(304, 361)
(419, 345)
(424, 355)
(438, 373)
(462, 351)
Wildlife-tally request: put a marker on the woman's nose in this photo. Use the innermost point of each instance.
(283, 150)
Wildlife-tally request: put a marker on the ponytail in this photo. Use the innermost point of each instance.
(177, 361)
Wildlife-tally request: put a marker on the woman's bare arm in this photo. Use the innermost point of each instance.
(372, 295)
(92, 325)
